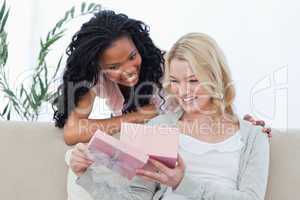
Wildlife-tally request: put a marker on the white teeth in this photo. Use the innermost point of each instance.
(189, 99)
(132, 78)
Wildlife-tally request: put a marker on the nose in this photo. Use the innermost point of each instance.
(129, 71)
(183, 89)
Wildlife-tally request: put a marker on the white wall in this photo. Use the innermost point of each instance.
(259, 38)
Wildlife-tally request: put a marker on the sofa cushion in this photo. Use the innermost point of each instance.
(284, 175)
(32, 161)
(33, 167)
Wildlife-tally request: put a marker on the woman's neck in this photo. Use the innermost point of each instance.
(194, 116)
(208, 126)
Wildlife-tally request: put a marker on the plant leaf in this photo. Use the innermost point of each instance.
(92, 5)
(5, 109)
(3, 7)
(57, 67)
(4, 21)
(8, 115)
(72, 12)
(83, 5)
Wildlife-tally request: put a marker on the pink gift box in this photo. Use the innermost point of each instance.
(116, 155)
(160, 143)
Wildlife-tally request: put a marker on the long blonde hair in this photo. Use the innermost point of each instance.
(209, 65)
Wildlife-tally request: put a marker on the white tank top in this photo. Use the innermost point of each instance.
(210, 162)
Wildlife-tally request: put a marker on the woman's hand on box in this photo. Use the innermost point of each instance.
(164, 174)
(79, 161)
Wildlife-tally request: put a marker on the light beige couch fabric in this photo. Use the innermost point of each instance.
(32, 163)
(284, 176)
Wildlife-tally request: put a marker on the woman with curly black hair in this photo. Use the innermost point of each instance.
(112, 56)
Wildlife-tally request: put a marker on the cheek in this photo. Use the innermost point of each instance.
(113, 76)
(173, 88)
(138, 60)
(202, 94)
(199, 90)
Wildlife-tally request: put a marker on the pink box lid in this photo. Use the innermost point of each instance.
(157, 141)
(129, 158)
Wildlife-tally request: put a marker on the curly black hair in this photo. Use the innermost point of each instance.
(82, 65)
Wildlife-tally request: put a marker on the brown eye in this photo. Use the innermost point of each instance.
(113, 67)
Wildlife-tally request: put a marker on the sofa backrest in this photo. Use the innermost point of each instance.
(32, 163)
(284, 174)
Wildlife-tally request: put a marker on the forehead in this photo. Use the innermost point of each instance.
(118, 50)
(180, 68)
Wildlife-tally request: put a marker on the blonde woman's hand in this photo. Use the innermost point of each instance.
(164, 174)
(79, 161)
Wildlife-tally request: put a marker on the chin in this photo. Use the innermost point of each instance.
(193, 108)
(190, 109)
(130, 84)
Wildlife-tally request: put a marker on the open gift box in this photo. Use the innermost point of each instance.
(160, 143)
(115, 155)
(137, 143)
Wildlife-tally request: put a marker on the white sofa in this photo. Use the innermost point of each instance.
(32, 163)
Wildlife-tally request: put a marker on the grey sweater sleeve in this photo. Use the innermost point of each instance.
(252, 185)
(103, 186)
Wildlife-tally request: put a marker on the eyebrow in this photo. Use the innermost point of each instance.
(186, 77)
(131, 53)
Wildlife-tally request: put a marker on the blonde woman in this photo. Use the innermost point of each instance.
(221, 157)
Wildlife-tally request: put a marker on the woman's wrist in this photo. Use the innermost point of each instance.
(178, 182)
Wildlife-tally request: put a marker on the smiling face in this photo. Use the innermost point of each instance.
(187, 88)
(121, 62)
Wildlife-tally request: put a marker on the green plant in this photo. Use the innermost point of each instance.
(26, 100)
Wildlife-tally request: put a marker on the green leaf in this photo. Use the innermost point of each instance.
(57, 67)
(60, 23)
(4, 21)
(22, 91)
(8, 115)
(27, 101)
(9, 92)
(41, 43)
(46, 76)
(2, 10)
(83, 5)
(92, 5)
(48, 35)
(41, 84)
(5, 109)
(35, 99)
(17, 109)
(53, 40)
(72, 11)
(66, 16)
(45, 48)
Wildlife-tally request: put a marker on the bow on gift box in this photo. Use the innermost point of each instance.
(109, 161)
(113, 162)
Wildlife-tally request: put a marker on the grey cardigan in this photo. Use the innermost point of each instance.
(251, 183)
